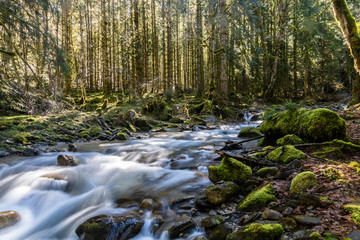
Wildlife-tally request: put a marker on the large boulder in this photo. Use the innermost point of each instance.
(256, 231)
(317, 125)
(110, 227)
(230, 169)
(8, 218)
(249, 132)
(197, 121)
(222, 192)
(67, 160)
(302, 182)
(258, 198)
(286, 154)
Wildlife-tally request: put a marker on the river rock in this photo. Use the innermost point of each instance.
(249, 132)
(307, 220)
(67, 160)
(310, 200)
(199, 238)
(211, 221)
(28, 152)
(222, 192)
(150, 204)
(230, 169)
(220, 232)
(270, 214)
(72, 148)
(110, 227)
(196, 121)
(8, 218)
(288, 223)
(287, 211)
(257, 231)
(181, 226)
(354, 235)
(303, 234)
(4, 153)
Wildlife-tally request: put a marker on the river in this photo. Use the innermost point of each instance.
(54, 200)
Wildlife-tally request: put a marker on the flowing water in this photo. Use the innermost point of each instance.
(53, 200)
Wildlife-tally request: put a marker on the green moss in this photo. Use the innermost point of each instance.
(166, 114)
(230, 169)
(258, 198)
(289, 154)
(333, 174)
(249, 132)
(22, 137)
(95, 131)
(354, 210)
(317, 125)
(289, 139)
(354, 164)
(259, 231)
(121, 136)
(267, 171)
(302, 182)
(329, 152)
(260, 154)
(315, 236)
(84, 134)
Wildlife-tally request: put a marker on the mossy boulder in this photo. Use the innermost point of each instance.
(143, 123)
(289, 139)
(260, 154)
(176, 120)
(196, 121)
(286, 154)
(258, 198)
(249, 132)
(302, 182)
(267, 171)
(256, 231)
(316, 125)
(222, 192)
(230, 169)
(165, 115)
(121, 136)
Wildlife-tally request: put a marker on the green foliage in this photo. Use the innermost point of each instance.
(272, 113)
(291, 106)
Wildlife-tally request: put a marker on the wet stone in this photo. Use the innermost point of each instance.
(67, 160)
(8, 218)
(4, 153)
(220, 232)
(307, 220)
(354, 235)
(28, 152)
(72, 148)
(269, 214)
(181, 226)
(287, 211)
(303, 234)
(211, 221)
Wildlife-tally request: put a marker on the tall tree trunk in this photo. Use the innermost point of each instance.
(199, 51)
(223, 42)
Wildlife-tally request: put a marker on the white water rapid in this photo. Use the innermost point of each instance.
(54, 200)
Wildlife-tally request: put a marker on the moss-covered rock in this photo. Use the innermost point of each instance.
(196, 121)
(260, 154)
(289, 139)
(258, 198)
(176, 120)
(354, 164)
(249, 132)
(317, 125)
(22, 137)
(329, 152)
(286, 154)
(230, 169)
(267, 171)
(166, 114)
(222, 192)
(95, 131)
(143, 123)
(302, 182)
(121, 136)
(257, 231)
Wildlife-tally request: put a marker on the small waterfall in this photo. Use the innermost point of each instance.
(247, 117)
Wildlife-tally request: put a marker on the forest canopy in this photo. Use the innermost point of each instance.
(52, 49)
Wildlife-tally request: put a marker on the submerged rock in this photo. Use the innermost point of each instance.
(316, 125)
(302, 182)
(230, 169)
(257, 231)
(67, 160)
(286, 154)
(8, 218)
(221, 193)
(258, 198)
(249, 132)
(110, 227)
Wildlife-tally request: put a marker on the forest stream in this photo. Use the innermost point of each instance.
(54, 200)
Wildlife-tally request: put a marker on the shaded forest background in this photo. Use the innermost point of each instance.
(51, 50)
